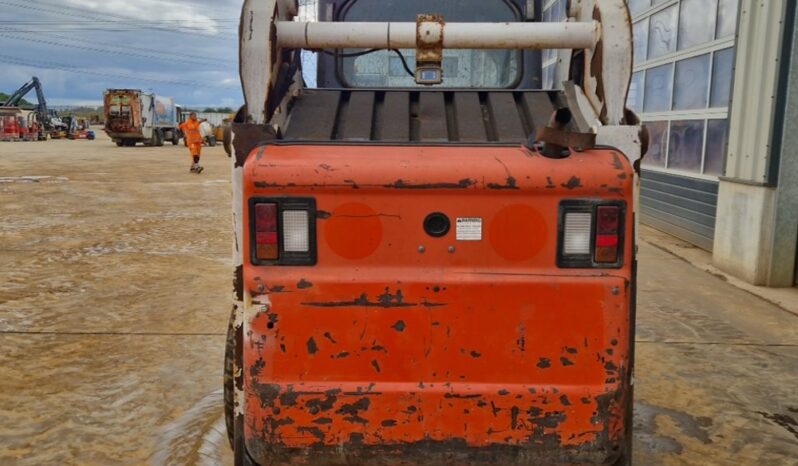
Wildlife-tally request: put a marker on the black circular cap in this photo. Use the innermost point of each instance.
(437, 225)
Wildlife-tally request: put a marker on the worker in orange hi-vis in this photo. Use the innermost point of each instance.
(191, 131)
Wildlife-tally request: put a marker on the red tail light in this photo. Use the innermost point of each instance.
(591, 234)
(283, 231)
(608, 222)
(266, 233)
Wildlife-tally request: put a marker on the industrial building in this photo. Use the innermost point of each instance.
(715, 83)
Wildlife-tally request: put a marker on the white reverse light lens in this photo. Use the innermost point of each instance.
(296, 237)
(578, 228)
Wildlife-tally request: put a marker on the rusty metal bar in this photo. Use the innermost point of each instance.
(326, 35)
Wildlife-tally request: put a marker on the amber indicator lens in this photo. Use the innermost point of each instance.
(608, 220)
(266, 237)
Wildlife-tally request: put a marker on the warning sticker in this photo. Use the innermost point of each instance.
(469, 229)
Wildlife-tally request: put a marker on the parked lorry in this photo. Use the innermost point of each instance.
(435, 265)
(133, 116)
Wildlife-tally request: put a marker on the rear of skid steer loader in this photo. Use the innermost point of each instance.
(432, 275)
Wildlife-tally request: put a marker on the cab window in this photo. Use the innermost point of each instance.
(462, 68)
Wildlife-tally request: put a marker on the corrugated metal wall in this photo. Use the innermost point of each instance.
(684, 207)
(755, 85)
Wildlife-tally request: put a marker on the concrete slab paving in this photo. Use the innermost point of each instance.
(114, 298)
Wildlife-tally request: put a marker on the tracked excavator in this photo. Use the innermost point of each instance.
(47, 120)
(435, 258)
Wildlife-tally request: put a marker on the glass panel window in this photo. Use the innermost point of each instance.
(549, 76)
(691, 83)
(659, 83)
(472, 68)
(722, 73)
(641, 41)
(558, 12)
(696, 22)
(635, 100)
(658, 133)
(686, 145)
(662, 34)
(637, 6)
(717, 141)
(727, 18)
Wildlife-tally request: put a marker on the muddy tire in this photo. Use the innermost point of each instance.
(157, 138)
(229, 379)
(120, 143)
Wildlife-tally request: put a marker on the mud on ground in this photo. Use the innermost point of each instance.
(115, 286)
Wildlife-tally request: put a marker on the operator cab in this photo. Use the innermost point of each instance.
(474, 69)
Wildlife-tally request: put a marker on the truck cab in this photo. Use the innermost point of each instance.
(431, 273)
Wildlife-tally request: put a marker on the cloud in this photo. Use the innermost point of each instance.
(186, 14)
(200, 49)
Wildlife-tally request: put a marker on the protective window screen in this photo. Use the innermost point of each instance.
(662, 32)
(296, 233)
(686, 145)
(640, 31)
(659, 86)
(461, 68)
(658, 137)
(691, 83)
(696, 22)
(717, 140)
(578, 229)
(635, 100)
(727, 18)
(638, 6)
(722, 71)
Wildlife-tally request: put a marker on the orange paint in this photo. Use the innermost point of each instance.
(400, 343)
(354, 231)
(518, 232)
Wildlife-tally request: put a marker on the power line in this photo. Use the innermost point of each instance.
(116, 21)
(59, 10)
(73, 69)
(204, 61)
(121, 48)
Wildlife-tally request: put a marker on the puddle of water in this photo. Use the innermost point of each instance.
(197, 438)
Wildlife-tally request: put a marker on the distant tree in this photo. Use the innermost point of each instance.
(218, 110)
(4, 97)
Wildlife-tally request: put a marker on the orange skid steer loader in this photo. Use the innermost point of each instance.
(436, 260)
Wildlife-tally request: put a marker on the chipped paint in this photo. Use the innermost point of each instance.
(417, 357)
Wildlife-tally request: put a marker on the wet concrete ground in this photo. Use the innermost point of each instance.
(114, 298)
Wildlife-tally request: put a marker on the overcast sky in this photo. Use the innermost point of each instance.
(186, 49)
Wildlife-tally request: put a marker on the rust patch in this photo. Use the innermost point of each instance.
(462, 184)
(312, 347)
(573, 183)
(510, 184)
(386, 300)
(304, 284)
(399, 326)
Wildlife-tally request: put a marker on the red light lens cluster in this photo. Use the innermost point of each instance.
(591, 234)
(608, 222)
(266, 232)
